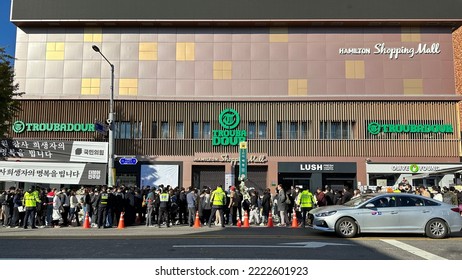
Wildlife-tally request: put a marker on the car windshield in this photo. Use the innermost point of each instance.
(358, 200)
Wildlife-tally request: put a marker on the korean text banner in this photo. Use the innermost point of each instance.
(53, 173)
(55, 150)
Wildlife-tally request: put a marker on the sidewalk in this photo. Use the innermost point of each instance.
(132, 231)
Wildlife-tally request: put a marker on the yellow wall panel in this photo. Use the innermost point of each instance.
(93, 34)
(190, 51)
(412, 91)
(53, 55)
(217, 74)
(128, 83)
(132, 91)
(95, 91)
(293, 87)
(86, 83)
(123, 91)
(227, 75)
(180, 51)
(359, 69)
(349, 69)
(279, 35)
(412, 83)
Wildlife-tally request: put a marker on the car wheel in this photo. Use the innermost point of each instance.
(436, 228)
(346, 227)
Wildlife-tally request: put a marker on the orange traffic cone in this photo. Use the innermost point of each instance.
(239, 224)
(246, 219)
(197, 222)
(86, 223)
(294, 220)
(121, 221)
(270, 220)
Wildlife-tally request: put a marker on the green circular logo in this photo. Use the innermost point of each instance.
(19, 127)
(414, 168)
(374, 128)
(229, 118)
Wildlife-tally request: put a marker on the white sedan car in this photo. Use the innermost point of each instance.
(388, 213)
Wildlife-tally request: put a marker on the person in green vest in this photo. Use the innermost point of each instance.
(30, 200)
(306, 202)
(218, 200)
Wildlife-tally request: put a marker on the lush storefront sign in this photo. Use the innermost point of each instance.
(20, 127)
(229, 136)
(376, 128)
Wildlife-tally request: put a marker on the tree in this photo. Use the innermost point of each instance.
(9, 106)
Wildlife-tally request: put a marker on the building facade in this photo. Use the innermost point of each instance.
(318, 100)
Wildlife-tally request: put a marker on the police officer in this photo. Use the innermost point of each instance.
(164, 207)
(30, 200)
(218, 199)
(103, 205)
(306, 202)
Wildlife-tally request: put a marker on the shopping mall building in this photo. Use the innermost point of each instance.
(361, 92)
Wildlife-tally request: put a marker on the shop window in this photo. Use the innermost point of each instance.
(128, 130)
(336, 130)
(164, 130)
(304, 130)
(280, 130)
(293, 130)
(180, 130)
(154, 129)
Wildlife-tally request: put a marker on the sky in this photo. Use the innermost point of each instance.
(7, 29)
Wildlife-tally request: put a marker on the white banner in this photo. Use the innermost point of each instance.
(53, 172)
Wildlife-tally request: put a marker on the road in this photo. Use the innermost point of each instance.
(216, 243)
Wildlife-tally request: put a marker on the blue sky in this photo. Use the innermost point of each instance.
(7, 29)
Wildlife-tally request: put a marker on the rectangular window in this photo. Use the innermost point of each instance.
(279, 130)
(180, 130)
(304, 130)
(206, 130)
(336, 130)
(154, 129)
(293, 130)
(195, 133)
(128, 130)
(262, 130)
(164, 130)
(251, 132)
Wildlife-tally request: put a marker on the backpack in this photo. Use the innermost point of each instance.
(447, 198)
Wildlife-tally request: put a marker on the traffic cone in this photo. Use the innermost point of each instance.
(239, 224)
(246, 219)
(86, 223)
(121, 221)
(197, 222)
(270, 220)
(294, 220)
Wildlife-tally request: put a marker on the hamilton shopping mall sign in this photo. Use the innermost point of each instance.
(229, 136)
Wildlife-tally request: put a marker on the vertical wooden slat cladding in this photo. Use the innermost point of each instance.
(359, 112)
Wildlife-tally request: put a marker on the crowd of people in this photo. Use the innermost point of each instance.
(172, 206)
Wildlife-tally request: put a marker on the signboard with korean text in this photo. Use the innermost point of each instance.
(53, 173)
(55, 150)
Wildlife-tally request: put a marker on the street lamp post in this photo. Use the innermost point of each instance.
(110, 121)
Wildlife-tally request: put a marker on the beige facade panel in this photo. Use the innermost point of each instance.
(356, 140)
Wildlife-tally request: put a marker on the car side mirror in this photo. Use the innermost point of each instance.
(370, 205)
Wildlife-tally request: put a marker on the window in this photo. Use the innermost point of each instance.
(262, 130)
(128, 130)
(205, 130)
(154, 129)
(164, 130)
(195, 133)
(252, 130)
(304, 130)
(293, 130)
(336, 130)
(280, 132)
(180, 130)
